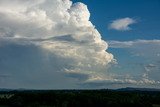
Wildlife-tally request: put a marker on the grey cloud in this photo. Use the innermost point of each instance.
(29, 66)
(151, 66)
(4, 75)
(68, 38)
(81, 77)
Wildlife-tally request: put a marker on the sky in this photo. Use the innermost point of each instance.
(79, 44)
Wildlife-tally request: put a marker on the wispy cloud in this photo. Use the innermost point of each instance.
(128, 44)
(143, 58)
(122, 24)
(121, 81)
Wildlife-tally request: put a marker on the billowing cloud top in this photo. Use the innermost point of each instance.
(47, 39)
(122, 24)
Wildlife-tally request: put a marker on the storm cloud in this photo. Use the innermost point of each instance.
(49, 44)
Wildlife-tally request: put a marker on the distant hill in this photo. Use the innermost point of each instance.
(120, 89)
(4, 89)
(137, 89)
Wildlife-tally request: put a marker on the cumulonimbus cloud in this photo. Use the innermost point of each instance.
(43, 40)
(122, 24)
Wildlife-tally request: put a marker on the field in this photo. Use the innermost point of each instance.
(79, 98)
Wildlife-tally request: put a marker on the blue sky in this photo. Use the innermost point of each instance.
(146, 12)
(59, 44)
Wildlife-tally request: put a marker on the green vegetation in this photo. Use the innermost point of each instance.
(79, 98)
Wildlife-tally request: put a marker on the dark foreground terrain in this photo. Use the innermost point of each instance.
(79, 98)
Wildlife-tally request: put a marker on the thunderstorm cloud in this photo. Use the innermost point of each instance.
(49, 44)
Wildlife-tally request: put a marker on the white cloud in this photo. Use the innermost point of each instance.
(42, 40)
(129, 44)
(122, 24)
(116, 82)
